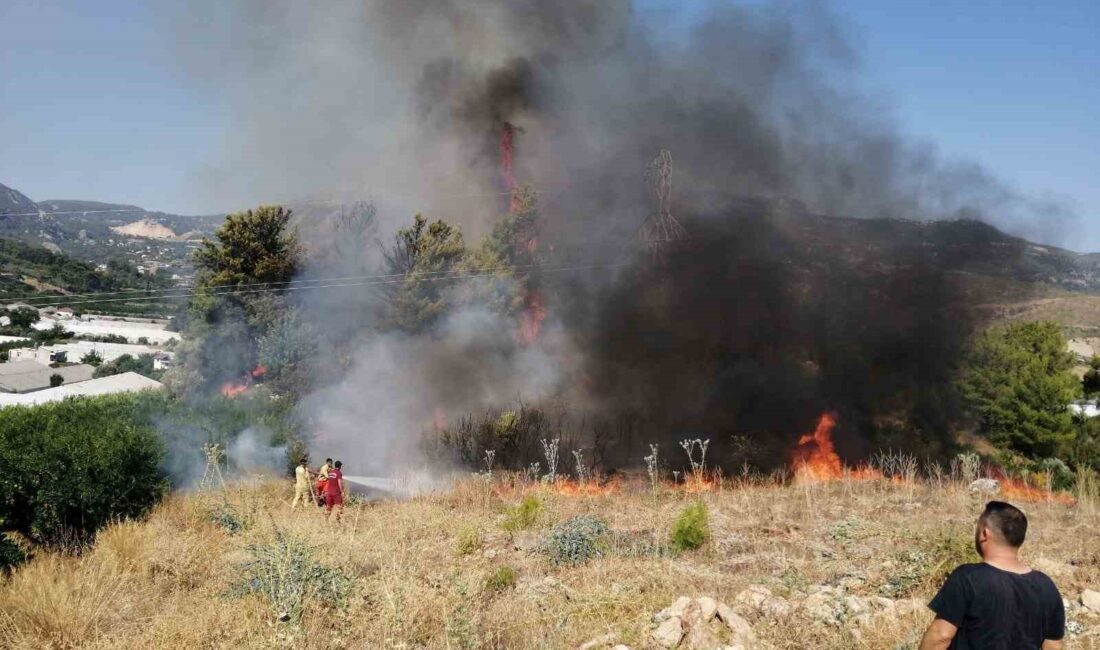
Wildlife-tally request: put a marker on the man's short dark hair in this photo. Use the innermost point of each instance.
(328, 460)
(341, 464)
(1006, 520)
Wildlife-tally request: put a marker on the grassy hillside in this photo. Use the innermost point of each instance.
(468, 567)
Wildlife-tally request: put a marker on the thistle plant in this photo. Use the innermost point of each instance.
(550, 450)
(531, 473)
(487, 475)
(651, 467)
(582, 471)
(698, 468)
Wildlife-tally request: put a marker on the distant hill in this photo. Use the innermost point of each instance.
(98, 232)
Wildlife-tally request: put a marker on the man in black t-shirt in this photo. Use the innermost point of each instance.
(1001, 603)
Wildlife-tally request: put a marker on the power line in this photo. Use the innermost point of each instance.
(338, 286)
(153, 293)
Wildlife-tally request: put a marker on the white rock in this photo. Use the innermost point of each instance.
(856, 605)
(598, 642)
(754, 596)
(1091, 600)
(679, 606)
(907, 606)
(621, 647)
(985, 486)
(742, 631)
(669, 633)
(822, 607)
(708, 607)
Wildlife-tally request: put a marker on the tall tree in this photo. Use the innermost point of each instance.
(1091, 381)
(1019, 386)
(235, 304)
(424, 255)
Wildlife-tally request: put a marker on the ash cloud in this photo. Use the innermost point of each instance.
(404, 102)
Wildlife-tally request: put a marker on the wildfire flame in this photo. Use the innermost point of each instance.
(232, 389)
(507, 154)
(814, 458)
(530, 321)
(1022, 491)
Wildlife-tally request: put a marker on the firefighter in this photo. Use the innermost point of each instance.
(302, 488)
(334, 491)
(322, 476)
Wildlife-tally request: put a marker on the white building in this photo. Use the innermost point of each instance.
(1089, 409)
(127, 382)
(76, 350)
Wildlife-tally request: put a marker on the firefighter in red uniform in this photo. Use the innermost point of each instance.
(334, 491)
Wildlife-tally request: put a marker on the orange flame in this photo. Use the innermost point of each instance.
(259, 371)
(530, 322)
(1022, 491)
(507, 154)
(232, 389)
(814, 458)
(569, 487)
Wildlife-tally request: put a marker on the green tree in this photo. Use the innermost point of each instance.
(92, 358)
(68, 468)
(1091, 381)
(1018, 384)
(250, 248)
(56, 380)
(504, 260)
(23, 317)
(424, 255)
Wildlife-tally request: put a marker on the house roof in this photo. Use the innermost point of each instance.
(126, 382)
(26, 376)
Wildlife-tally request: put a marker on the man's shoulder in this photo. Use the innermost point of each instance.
(975, 568)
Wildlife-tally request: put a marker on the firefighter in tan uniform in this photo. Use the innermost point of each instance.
(302, 489)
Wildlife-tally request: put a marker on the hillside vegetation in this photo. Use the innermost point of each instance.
(488, 563)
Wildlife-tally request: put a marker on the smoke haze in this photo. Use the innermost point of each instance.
(404, 102)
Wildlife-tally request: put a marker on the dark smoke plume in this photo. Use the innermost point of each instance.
(750, 327)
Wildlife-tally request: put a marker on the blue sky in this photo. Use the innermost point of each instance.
(96, 107)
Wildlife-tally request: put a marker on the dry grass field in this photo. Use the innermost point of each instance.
(466, 568)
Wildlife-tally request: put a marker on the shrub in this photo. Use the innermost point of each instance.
(225, 516)
(691, 529)
(286, 573)
(577, 540)
(503, 578)
(68, 468)
(468, 541)
(522, 515)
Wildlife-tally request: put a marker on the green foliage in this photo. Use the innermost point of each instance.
(285, 350)
(67, 468)
(56, 380)
(55, 333)
(24, 260)
(23, 317)
(421, 254)
(577, 540)
(225, 517)
(1018, 384)
(469, 541)
(523, 515)
(11, 554)
(928, 565)
(500, 579)
(141, 364)
(286, 573)
(92, 358)
(251, 247)
(691, 528)
(1090, 383)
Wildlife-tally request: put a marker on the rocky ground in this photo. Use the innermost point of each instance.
(491, 563)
